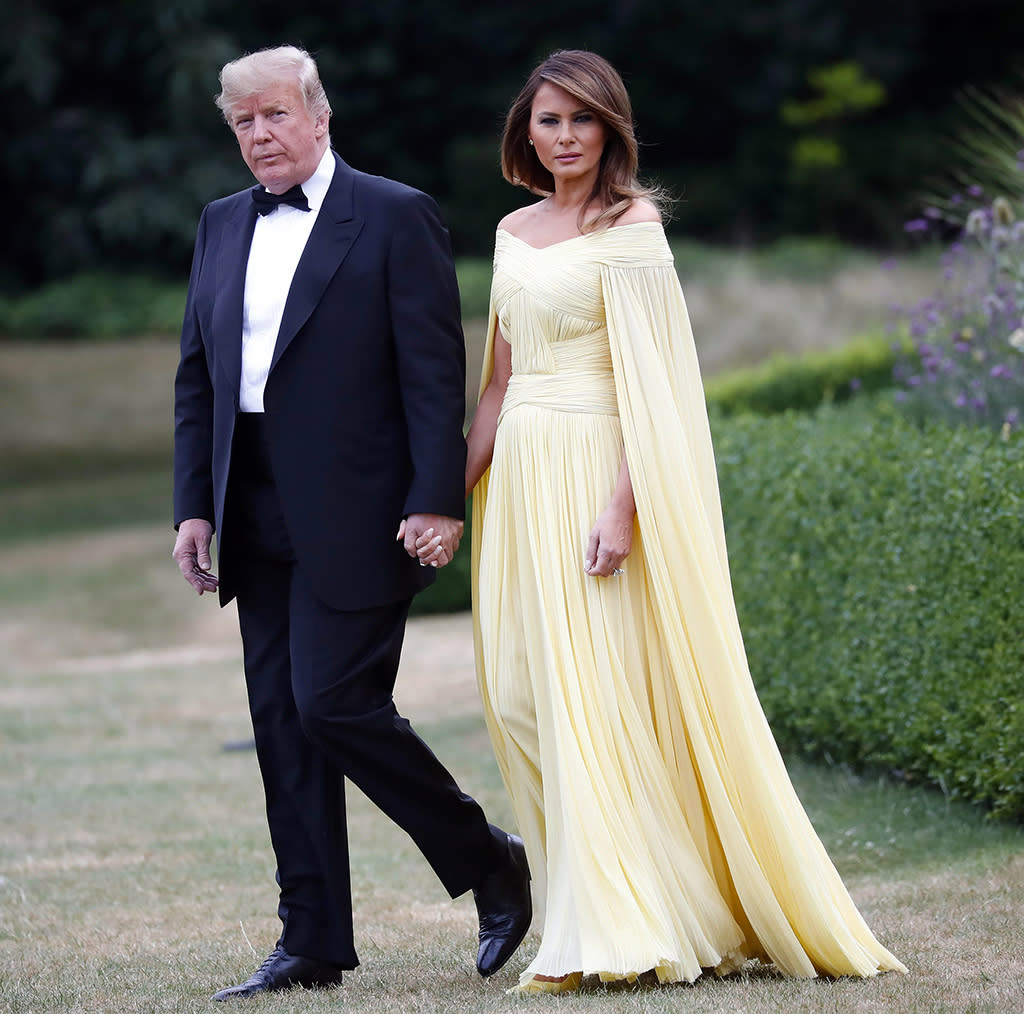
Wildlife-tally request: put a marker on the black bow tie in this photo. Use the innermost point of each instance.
(265, 201)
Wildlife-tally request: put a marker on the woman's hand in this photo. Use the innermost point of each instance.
(430, 538)
(611, 539)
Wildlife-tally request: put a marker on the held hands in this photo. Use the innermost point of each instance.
(431, 538)
(192, 554)
(610, 541)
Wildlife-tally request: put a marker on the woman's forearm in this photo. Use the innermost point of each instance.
(480, 440)
(622, 501)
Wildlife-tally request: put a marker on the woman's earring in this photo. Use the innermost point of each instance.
(530, 139)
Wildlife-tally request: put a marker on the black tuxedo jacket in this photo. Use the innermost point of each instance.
(365, 399)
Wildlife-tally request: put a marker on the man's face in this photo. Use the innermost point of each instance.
(281, 143)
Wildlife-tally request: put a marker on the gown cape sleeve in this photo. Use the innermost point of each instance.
(758, 841)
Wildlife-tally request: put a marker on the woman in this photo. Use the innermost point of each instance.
(662, 829)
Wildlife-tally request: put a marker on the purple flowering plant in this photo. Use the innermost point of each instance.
(967, 359)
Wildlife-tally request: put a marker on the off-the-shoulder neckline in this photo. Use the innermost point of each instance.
(582, 235)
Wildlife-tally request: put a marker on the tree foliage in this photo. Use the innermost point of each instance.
(117, 144)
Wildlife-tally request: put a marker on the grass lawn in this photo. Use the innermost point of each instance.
(110, 401)
(136, 874)
(135, 868)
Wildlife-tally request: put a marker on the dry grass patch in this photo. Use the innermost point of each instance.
(136, 875)
(740, 317)
(135, 870)
(62, 401)
(105, 600)
(86, 397)
(743, 316)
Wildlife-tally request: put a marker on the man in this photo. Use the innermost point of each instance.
(318, 408)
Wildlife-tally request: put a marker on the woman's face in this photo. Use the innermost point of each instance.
(568, 137)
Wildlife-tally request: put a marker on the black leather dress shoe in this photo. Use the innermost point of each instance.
(505, 908)
(282, 971)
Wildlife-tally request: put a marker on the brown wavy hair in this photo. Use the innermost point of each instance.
(596, 83)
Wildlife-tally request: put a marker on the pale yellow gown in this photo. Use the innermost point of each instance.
(661, 826)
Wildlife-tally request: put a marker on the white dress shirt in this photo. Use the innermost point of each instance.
(277, 245)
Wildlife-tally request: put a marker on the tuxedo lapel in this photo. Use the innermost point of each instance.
(332, 237)
(232, 261)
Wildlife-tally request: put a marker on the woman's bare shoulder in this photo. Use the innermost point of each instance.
(641, 210)
(515, 221)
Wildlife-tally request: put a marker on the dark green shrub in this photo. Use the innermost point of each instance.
(808, 257)
(803, 383)
(875, 565)
(101, 305)
(95, 306)
(474, 285)
(452, 591)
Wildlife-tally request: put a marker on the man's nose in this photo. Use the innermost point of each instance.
(260, 128)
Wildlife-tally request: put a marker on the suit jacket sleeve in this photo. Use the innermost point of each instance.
(193, 409)
(426, 322)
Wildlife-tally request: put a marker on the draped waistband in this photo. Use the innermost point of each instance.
(582, 380)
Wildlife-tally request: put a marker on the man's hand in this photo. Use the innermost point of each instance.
(192, 553)
(432, 538)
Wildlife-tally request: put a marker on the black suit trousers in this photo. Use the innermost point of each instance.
(320, 684)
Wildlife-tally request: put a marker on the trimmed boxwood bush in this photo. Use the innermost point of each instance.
(875, 563)
(864, 365)
(804, 383)
(876, 566)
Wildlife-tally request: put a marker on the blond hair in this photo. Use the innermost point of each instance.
(254, 72)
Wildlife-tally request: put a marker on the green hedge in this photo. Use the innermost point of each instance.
(99, 305)
(804, 383)
(875, 567)
(452, 591)
(95, 306)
